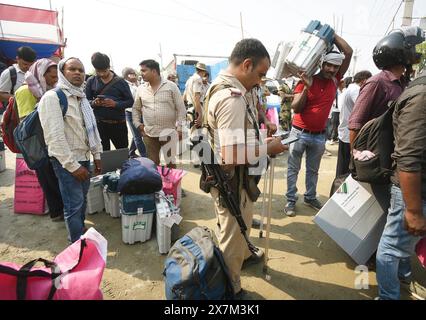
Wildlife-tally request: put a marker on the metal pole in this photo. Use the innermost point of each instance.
(268, 224)
(241, 22)
(265, 191)
(407, 19)
(50, 4)
(161, 58)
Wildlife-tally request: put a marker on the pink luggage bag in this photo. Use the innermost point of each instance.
(75, 274)
(172, 180)
(29, 196)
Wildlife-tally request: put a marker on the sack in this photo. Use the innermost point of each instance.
(421, 251)
(139, 176)
(29, 137)
(75, 274)
(377, 137)
(172, 180)
(195, 269)
(8, 125)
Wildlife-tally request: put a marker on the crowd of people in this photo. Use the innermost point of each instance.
(228, 113)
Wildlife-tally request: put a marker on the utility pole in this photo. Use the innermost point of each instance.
(50, 4)
(161, 58)
(355, 59)
(241, 23)
(408, 13)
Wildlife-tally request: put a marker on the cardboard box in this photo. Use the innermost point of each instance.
(354, 218)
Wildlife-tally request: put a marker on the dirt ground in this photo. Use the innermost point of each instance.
(304, 262)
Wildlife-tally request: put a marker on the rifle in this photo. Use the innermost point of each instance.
(217, 178)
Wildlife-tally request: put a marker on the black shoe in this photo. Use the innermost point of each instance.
(254, 259)
(255, 224)
(241, 295)
(183, 193)
(57, 217)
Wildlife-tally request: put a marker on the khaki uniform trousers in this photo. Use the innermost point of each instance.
(231, 241)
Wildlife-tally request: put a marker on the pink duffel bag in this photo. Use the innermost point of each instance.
(421, 251)
(172, 179)
(75, 274)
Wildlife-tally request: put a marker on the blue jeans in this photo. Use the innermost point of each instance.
(395, 249)
(74, 195)
(314, 146)
(137, 141)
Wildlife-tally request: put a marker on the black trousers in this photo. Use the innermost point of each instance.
(333, 126)
(49, 183)
(343, 158)
(115, 132)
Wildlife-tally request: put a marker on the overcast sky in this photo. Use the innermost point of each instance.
(131, 31)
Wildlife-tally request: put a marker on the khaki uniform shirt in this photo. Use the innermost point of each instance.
(228, 116)
(193, 85)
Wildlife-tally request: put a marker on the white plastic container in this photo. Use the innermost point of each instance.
(136, 227)
(167, 221)
(306, 53)
(95, 198)
(112, 203)
(2, 161)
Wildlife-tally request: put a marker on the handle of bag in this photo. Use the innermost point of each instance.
(25, 272)
(167, 171)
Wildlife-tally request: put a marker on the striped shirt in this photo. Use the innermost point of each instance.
(161, 110)
(66, 138)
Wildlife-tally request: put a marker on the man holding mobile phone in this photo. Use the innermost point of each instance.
(109, 96)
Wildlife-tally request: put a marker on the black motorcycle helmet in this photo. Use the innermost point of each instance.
(398, 48)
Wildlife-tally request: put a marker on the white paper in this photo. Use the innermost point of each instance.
(177, 218)
(354, 197)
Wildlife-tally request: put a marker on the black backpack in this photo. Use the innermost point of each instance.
(377, 136)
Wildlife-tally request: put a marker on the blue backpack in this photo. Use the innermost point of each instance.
(29, 138)
(195, 269)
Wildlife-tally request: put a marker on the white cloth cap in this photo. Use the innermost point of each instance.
(334, 58)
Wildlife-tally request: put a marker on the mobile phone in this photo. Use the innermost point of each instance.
(101, 96)
(289, 140)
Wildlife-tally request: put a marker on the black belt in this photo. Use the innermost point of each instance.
(308, 131)
(113, 121)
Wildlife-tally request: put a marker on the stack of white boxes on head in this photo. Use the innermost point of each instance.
(137, 212)
(95, 198)
(110, 194)
(305, 53)
(167, 221)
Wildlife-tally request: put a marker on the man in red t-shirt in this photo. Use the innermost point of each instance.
(312, 103)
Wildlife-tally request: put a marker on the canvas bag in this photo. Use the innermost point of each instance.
(75, 274)
(172, 182)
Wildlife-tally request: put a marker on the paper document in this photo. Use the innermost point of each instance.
(351, 196)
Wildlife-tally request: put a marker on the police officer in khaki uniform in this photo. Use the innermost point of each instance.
(232, 124)
(193, 90)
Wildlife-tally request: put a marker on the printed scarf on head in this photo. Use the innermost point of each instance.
(88, 116)
(34, 77)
